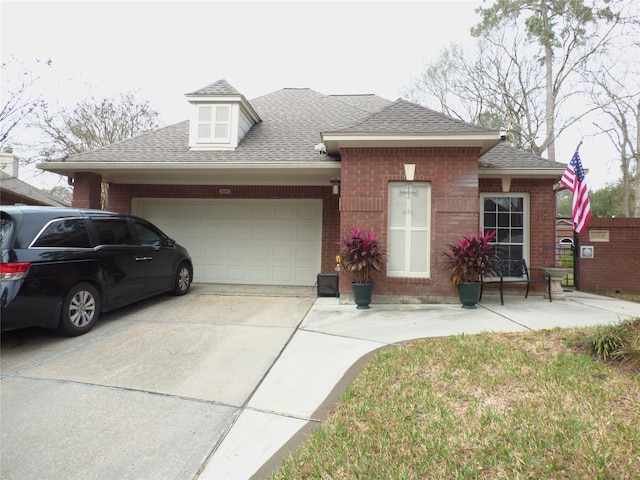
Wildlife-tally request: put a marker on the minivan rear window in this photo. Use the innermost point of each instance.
(66, 232)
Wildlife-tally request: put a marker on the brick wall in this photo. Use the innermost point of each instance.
(615, 266)
(453, 173)
(86, 190)
(366, 172)
(120, 196)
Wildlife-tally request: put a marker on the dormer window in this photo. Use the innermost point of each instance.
(214, 123)
(220, 118)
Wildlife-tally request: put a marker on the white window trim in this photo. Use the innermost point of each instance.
(230, 142)
(406, 273)
(526, 220)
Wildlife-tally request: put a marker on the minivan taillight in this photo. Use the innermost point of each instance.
(13, 271)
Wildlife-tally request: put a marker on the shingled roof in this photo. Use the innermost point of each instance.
(13, 190)
(505, 156)
(293, 120)
(406, 117)
(221, 87)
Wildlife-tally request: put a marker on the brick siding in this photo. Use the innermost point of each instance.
(615, 266)
(363, 199)
(86, 190)
(453, 173)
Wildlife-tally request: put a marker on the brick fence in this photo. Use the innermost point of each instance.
(608, 256)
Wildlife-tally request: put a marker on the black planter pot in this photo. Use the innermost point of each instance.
(362, 293)
(469, 294)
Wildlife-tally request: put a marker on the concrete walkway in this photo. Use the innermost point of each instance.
(333, 341)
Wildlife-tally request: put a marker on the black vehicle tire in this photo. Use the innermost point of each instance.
(183, 279)
(80, 310)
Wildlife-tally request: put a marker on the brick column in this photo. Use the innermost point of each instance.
(86, 190)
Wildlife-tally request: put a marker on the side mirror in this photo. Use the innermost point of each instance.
(171, 242)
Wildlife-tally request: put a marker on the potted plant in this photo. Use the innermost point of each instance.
(362, 256)
(468, 260)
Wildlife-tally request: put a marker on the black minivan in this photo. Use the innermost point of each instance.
(61, 267)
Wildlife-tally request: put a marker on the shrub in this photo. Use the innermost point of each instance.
(620, 341)
(362, 255)
(471, 257)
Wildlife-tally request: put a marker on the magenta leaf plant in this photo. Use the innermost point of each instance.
(362, 255)
(471, 257)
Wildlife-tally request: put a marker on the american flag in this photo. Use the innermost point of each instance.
(573, 179)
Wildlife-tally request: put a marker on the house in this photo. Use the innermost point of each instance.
(261, 191)
(14, 191)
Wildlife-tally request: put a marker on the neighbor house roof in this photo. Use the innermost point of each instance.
(280, 147)
(14, 191)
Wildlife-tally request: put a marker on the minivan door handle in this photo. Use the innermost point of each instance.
(143, 259)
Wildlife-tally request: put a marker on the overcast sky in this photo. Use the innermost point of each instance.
(165, 49)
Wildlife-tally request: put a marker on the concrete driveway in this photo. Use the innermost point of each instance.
(220, 384)
(149, 393)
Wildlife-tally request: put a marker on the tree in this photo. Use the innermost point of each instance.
(565, 35)
(608, 201)
(605, 202)
(91, 124)
(61, 192)
(615, 91)
(564, 201)
(623, 131)
(495, 87)
(20, 101)
(528, 63)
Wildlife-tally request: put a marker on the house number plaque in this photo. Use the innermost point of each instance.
(598, 235)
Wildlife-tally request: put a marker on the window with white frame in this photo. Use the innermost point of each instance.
(508, 215)
(214, 123)
(409, 229)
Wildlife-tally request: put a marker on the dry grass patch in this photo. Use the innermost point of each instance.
(631, 297)
(486, 406)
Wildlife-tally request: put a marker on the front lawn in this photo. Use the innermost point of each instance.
(488, 406)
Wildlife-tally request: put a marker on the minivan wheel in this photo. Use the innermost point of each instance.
(80, 310)
(183, 279)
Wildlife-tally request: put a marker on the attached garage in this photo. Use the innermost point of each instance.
(243, 241)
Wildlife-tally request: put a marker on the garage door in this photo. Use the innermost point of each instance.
(262, 242)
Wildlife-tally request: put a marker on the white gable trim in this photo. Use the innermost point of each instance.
(484, 140)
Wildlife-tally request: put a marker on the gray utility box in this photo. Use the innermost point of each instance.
(328, 285)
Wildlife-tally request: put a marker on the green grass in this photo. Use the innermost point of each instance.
(488, 406)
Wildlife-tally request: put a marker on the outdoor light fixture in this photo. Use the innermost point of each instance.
(409, 171)
(335, 186)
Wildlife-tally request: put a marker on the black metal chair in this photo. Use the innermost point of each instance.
(514, 271)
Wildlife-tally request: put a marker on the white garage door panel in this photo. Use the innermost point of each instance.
(271, 242)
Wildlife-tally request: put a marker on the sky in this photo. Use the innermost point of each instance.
(165, 49)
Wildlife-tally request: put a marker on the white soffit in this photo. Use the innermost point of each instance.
(554, 173)
(307, 174)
